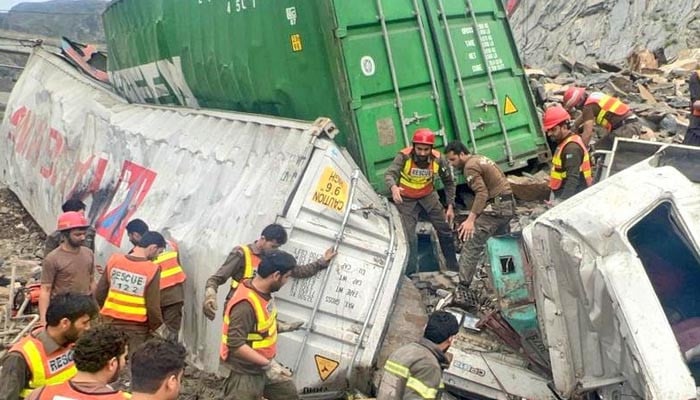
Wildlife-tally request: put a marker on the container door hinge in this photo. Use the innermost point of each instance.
(416, 118)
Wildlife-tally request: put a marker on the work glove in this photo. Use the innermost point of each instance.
(276, 373)
(162, 332)
(283, 326)
(209, 305)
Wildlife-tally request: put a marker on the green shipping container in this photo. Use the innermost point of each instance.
(380, 69)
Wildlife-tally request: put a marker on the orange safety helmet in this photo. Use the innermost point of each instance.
(554, 116)
(424, 136)
(573, 97)
(71, 220)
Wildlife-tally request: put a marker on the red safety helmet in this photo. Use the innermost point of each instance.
(424, 136)
(554, 116)
(573, 97)
(71, 220)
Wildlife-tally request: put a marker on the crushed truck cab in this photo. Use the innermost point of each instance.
(611, 276)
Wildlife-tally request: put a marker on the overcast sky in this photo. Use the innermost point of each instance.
(7, 4)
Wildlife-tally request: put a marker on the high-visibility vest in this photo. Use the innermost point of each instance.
(418, 182)
(264, 339)
(558, 174)
(171, 272)
(251, 262)
(46, 369)
(607, 104)
(126, 299)
(66, 391)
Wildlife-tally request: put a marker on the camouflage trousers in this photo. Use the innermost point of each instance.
(410, 210)
(255, 387)
(625, 131)
(486, 225)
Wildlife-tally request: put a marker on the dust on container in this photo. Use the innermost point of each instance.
(212, 180)
(380, 69)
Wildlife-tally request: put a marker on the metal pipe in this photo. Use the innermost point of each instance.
(389, 258)
(431, 71)
(339, 237)
(8, 306)
(392, 71)
(27, 328)
(492, 85)
(455, 63)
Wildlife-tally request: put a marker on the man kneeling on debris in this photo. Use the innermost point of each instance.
(571, 164)
(491, 212)
(249, 334)
(607, 111)
(414, 371)
(99, 356)
(45, 356)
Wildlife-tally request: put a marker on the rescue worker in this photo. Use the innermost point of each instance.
(129, 291)
(243, 261)
(571, 164)
(249, 335)
(55, 238)
(99, 355)
(157, 368)
(135, 229)
(69, 268)
(599, 108)
(410, 178)
(414, 371)
(491, 212)
(172, 287)
(45, 356)
(692, 135)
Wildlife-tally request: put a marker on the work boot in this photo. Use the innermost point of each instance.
(447, 246)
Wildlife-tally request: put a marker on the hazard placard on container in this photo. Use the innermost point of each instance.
(295, 40)
(331, 190)
(325, 366)
(509, 107)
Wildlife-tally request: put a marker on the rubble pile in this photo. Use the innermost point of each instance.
(655, 88)
(439, 285)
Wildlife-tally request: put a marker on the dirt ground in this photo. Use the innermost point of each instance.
(22, 245)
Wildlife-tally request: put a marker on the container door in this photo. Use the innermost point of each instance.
(488, 92)
(393, 76)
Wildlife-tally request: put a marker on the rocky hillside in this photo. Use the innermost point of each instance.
(77, 19)
(589, 30)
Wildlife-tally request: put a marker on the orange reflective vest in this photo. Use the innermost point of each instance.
(126, 299)
(418, 182)
(558, 174)
(264, 338)
(607, 104)
(46, 369)
(251, 262)
(171, 272)
(67, 391)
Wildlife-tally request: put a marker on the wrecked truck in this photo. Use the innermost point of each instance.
(211, 180)
(598, 298)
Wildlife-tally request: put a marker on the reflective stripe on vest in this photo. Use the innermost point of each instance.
(126, 298)
(418, 182)
(251, 262)
(46, 369)
(264, 339)
(607, 104)
(171, 272)
(67, 391)
(558, 174)
(412, 383)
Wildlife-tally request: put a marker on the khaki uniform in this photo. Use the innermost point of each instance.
(413, 372)
(491, 188)
(626, 126)
(410, 210)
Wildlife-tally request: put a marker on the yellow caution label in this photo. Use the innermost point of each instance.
(509, 107)
(325, 366)
(331, 190)
(296, 42)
